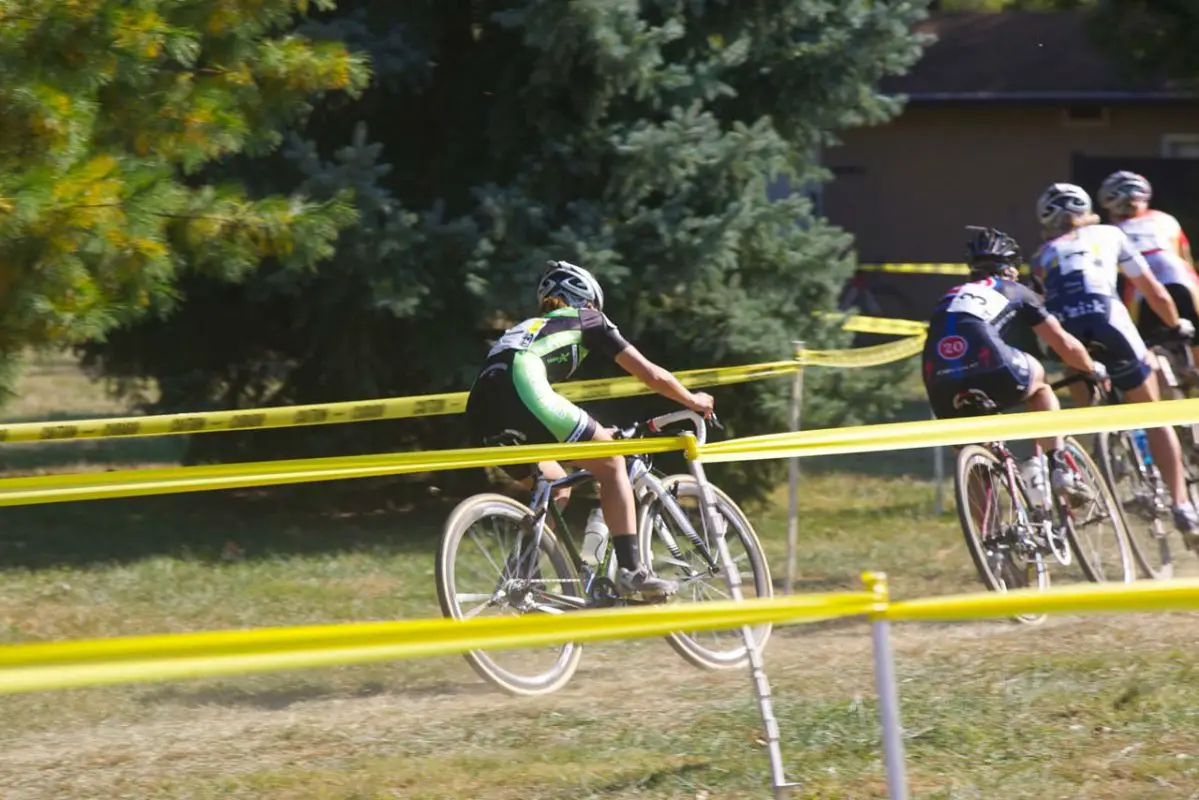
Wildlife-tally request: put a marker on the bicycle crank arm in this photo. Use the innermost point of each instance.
(560, 600)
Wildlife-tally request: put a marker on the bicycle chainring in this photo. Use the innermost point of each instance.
(603, 593)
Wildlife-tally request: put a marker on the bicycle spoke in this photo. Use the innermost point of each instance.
(477, 610)
(501, 573)
(474, 537)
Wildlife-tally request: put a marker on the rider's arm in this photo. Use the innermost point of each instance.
(1184, 248)
(1136, 268)
(1068, 348)
(1157, 297)
(660, 380)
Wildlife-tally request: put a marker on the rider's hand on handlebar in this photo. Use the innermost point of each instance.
(703, 403)
(1185, 329)
(1099, 374)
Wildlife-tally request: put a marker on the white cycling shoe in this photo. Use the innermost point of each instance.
(640, 581)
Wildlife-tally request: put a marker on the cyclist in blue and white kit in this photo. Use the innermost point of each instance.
(1078, 265)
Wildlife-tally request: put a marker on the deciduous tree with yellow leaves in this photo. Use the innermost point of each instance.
(109, 109)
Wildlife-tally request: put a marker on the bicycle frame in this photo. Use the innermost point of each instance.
(645, 485)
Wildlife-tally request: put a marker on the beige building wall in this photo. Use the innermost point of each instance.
(907, 189)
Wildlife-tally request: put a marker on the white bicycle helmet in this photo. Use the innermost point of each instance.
(572, 284)
(1120, 188)
(1060, 202)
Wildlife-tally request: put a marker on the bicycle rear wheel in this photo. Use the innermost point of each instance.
(1136, 497)
(991, 524)
(697, 581)
(486, 564)
(1096, 529)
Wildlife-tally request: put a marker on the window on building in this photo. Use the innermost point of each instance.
(1180, 145)
(1085, 116)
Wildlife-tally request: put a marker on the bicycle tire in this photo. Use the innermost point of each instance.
(1152, 553)
(1115, 514)
(1183, 390)
(461, 519)
(977, 455)
(739, 525)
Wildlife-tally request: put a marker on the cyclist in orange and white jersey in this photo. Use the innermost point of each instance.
(1158, 237)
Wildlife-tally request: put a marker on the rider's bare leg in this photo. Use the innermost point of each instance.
(1040, 397)
(1163, 443)
(615, 490)
(620, 514)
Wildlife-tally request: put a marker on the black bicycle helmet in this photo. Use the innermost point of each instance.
(990, 251)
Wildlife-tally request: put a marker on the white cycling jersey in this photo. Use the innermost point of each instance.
(1086, 262)
(1079, 270)
(1157, 236)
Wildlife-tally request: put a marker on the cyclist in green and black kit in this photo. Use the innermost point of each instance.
(512, 401)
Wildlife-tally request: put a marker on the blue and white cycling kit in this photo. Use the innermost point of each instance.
(1079, 271)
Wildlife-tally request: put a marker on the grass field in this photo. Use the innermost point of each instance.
(1078, 708)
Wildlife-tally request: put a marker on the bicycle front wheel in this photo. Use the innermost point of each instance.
(699, 579)
(1095, 527)
(999, 543)
(1136, 497)
(487, 565)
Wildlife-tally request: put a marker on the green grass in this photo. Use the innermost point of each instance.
(1078, 708)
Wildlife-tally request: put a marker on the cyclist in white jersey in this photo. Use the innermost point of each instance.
(1078, 265)
(1160, 239)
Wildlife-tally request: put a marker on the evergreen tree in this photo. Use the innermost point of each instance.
(110, 108)
(1159, 37)
(644, 139)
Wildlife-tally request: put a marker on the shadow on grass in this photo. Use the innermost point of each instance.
(279, 699)
(315, 519)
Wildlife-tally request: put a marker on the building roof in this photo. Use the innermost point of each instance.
(1021, 55)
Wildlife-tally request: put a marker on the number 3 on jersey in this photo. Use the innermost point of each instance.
(978, 300)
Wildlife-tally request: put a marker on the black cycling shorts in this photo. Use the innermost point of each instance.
(507, 407)
(1005, 386)
(1150, 324)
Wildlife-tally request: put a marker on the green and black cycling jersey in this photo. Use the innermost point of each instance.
(561, 340)
(512, 399)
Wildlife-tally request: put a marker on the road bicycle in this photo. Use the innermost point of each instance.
(1014, 534)
(1136, 480)
(501, 556)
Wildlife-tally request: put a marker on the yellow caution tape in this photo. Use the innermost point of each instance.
(403, 407)
(61, 665)
(177, 480)
(918, 269)
(72, 664)
(834, 441)
(883, 325)
(1174, 595)
(934, 433)
(357, 411)
(925, 268)
(860, 357)
(897, 327)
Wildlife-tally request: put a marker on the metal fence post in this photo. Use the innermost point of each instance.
(887, 687)
(793, 473)
(757, 667)
(938, 477)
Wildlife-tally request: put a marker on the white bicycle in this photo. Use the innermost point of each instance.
(499, 556)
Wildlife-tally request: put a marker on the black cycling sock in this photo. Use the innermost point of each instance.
(626, 551)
